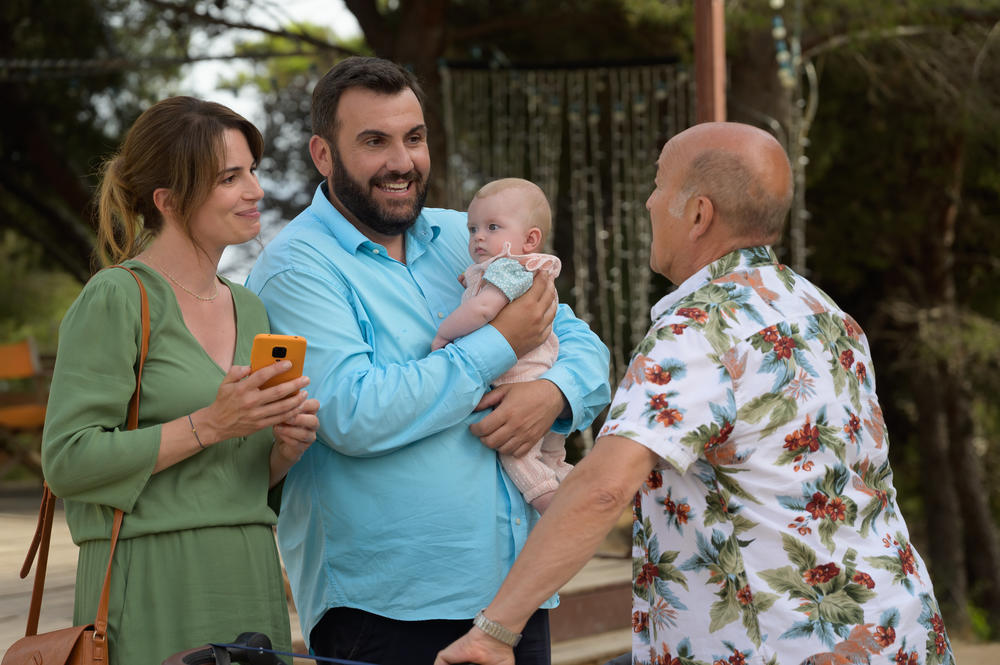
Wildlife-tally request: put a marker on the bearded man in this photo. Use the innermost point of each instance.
(400, 526)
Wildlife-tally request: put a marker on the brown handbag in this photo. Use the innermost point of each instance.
(79, 645)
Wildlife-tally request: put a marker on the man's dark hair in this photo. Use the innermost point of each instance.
(375, 74)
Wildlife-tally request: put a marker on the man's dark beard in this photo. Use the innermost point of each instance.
(354, 197)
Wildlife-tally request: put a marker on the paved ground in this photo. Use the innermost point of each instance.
(18, 514)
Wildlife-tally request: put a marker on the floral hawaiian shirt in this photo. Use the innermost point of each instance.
(769, 531)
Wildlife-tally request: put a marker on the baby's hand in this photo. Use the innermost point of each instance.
(439, 342)
(461, 279)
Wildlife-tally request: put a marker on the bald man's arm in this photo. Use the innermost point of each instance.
(585, 508)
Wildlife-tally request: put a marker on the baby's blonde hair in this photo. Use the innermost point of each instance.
(539, 213)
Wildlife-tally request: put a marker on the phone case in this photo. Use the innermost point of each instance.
(269, 349)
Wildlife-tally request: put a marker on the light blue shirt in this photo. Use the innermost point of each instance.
(398, 509)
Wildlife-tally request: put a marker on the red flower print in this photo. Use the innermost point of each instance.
(640, 620)
(860, 371)
(744, 595)
(885, 635)
(847, 359)
(851, 328)
(654, 480)
(821, 573)
(663, 659)
(940, 645)
(658, 375)
(817, 507)
(852, 427)
(695, 313)
(680, 511)
(783, 347)
(669, 416)
(658, 402)
(864, 579)
(648, 574)
(807, 437)
(906, 560)
(937, 624)
(720, 662)
(769, 334)
(737, 658)
(903, 658)
(721, 437)
(835, 509)
(678, 328)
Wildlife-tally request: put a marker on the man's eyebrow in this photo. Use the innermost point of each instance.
(378, 132)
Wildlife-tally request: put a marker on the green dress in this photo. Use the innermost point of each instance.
(196, 560)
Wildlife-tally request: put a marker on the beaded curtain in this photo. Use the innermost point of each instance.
(589, 137)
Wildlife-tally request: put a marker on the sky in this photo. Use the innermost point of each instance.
(201, 79)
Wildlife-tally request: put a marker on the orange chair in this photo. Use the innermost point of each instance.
(20, 410)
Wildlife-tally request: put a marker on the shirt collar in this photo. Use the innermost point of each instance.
(740, 259)
(351, 239)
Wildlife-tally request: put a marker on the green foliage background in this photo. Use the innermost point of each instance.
(903, 179)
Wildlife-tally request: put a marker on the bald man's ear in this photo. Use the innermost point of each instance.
(322, 155)
(703, 216)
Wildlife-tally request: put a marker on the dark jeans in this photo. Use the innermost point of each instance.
(351, 634)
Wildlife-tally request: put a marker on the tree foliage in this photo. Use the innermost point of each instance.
(903, 179)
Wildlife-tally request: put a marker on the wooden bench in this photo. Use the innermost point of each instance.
(23, 394)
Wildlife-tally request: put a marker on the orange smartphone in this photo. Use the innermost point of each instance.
(268, 349)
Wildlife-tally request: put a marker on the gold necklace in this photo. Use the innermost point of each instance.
(173, 279)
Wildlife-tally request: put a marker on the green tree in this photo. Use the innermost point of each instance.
(904, 194)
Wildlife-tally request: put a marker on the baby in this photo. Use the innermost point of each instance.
(509, 220)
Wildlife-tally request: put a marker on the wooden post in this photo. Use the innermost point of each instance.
(710, 60)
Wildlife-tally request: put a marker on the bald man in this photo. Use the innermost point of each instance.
(748, 437)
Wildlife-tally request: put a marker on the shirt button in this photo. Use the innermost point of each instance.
(374, 251)
(440, 315)
(517, 521)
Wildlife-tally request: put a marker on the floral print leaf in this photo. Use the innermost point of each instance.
(665, 333)
(826, 531)
(839, 608)
(645, 346)
(618, 411)
(787, 277)
(789, 581)
(756, 409)
(723, 612)
(799, 553)
(724, 265)
(799, 630)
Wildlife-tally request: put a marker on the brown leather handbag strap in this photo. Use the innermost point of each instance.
(43, 530)
(39, 545)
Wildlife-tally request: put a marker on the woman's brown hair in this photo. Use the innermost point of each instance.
(175, 144)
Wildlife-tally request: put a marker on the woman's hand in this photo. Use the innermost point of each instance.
(292, 438)
(241, 407)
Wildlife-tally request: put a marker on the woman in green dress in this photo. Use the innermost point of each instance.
(196, 561)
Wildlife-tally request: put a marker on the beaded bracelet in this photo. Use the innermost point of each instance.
(195, 432)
